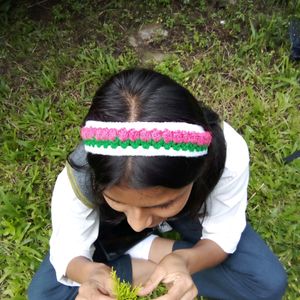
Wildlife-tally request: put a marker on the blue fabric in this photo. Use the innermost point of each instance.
(44, 285)
(252, 272)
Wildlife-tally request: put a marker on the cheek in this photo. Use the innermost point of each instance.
(182, 204)
(175, 209)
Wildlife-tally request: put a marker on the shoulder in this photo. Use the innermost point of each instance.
(237, 152)
(69, 188)
(80, 176)
(63, 185)
(63, 189)
(231, 190)
(235, 176)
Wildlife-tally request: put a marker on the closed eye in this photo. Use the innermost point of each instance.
(160, 206)
(166, 205)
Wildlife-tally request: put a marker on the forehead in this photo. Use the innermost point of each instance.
(145, 197)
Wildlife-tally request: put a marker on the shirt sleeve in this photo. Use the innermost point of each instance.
(142, 249)
(226, 205)
(74, 228)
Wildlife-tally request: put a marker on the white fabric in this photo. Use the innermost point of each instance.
(75, 226)
(140, 151)
(147, 125)
(142, 249)
(164, 227)
(226, 205)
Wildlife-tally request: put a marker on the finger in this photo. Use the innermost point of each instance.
(183, 290)
(189, 295)
(107, 287)
(92, 291)
(94, 297)
(153, 282)
(103, 297)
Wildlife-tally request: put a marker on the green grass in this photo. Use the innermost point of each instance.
(54, 56)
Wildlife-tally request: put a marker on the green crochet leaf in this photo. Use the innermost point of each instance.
(145, 144)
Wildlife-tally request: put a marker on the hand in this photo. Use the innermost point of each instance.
(172, 271)
(97, 287)
(141, 270)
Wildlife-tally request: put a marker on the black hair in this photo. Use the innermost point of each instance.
(145, 95)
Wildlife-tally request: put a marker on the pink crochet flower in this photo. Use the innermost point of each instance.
(204, 138)
(112, 133)
(208, 137)
(145, 135)
(123, 134)
(177, 136)
(201, 139)
(83, 133)
(101, 134)
(167, 136)
(156, 135)
(186, 137)
(193, 137)
(88, 132)
(93, 132)
(133, 134)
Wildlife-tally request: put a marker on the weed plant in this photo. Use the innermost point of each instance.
(54, 55)
(124, 291)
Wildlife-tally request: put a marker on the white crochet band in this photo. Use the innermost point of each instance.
(146, 125)
(145, 138)
(119, 151)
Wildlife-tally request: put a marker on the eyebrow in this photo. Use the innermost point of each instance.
(154, 206)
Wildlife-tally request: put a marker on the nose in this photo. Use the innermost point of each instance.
(138, 218)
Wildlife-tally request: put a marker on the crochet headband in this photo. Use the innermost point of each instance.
(145, 138)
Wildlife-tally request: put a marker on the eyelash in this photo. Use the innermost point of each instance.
(167, 205)
(163, 206)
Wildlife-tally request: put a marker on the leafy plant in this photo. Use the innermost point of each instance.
(124, 291)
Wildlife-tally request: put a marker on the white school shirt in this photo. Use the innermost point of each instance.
(75, 226)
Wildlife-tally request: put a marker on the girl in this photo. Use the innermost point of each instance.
(153, 158)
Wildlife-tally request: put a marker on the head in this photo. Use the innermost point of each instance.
(148, 190)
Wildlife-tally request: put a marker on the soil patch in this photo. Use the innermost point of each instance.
(41, 11)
